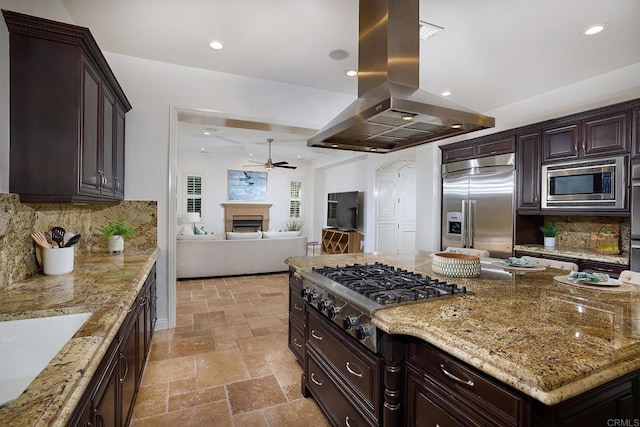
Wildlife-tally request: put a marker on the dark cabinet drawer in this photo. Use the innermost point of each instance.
(470, 387)
(358, 368)
(296, 305)
(296, 339)
(327, 392)
(612, 270)
(427, 407)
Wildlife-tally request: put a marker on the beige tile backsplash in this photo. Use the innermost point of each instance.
(18, 220)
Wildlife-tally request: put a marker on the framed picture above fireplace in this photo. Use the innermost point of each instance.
(247, 185)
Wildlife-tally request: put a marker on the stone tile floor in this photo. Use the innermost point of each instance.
(227, 362)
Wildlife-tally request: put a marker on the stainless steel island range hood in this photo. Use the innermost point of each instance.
(391, 112)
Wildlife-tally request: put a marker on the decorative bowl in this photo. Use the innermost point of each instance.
(455, 264)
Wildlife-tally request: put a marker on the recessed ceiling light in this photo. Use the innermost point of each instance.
(594, 29)
(203, 149)
(428, 30)
(351, 73)
(250, 154)
(445, 93)
(338, 54)
(206, 133)
(215, 45)
(299, 156)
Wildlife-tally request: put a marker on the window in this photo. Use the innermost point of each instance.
(193, 193)
(295, 199)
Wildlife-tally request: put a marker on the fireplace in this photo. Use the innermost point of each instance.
(246, 217)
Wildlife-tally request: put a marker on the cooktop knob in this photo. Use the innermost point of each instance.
(334, 311)
(350, 321)
(325, 304)
(311, 296)
(363, 331)
(305, 292)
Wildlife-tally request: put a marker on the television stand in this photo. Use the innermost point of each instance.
(335, 241)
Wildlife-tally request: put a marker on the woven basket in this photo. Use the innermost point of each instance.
(455, 264)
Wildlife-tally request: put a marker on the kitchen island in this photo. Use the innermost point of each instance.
(104, 285)
(546, 340)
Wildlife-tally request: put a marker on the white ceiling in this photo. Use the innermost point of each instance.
(491, 52)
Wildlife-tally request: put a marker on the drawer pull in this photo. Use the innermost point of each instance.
(351, 371)
(346, 421)
(453, 377)
(313, 334)
(297, 307)
(315, 381)
(296, 343)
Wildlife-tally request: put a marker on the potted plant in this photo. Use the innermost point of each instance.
(293, 225)
(116, 232)
(549, 231)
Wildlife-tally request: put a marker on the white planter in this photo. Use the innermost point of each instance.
(549, 242)
(116, 244)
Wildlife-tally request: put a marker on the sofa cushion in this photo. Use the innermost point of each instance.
(231, 235)
(280, 234)
(210, 236)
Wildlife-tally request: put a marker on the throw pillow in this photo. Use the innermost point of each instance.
(243, 236)
(199, 230)
(185, 230)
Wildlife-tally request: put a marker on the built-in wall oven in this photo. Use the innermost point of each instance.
(585, 184)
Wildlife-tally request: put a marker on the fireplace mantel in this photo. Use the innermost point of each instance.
(246, 211)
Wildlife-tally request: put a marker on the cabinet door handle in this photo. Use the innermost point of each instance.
(297, 307)
(296, 343)
(313, 334)
(584, 145)
(315, 381)
(351, 371)
(575, 147)
(99, 418)
(126, 368)
(346, 421)
(115, 178)
(453, 377)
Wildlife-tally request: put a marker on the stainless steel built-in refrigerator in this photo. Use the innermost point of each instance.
(477, 204)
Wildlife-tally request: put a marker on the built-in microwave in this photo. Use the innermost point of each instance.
(585, 184)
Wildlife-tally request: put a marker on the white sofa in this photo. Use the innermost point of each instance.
(208, 256)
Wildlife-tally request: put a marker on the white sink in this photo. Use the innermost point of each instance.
(27, 346)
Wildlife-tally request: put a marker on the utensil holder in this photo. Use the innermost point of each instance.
(57, 261)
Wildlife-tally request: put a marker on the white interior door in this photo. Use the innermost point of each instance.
(396, 208)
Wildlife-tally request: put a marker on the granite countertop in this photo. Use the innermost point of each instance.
(622, 258)
(103, 284)
(549, 340)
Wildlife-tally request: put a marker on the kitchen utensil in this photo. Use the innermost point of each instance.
(40, 240)
(47, 235)
(57, 234)
(67, 236)
(72, 241)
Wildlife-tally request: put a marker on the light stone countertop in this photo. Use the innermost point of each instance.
(103, 284)
(586, 254)
(549, 340)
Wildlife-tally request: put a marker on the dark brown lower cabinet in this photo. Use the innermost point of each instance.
(110, 396)
(441, 390)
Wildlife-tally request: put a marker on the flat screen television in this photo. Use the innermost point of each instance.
(344, 210)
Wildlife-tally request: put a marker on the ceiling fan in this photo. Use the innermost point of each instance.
(270, 165)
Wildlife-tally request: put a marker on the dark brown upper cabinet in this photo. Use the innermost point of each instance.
(636, 133)
(596, 136)
(501, 143)
(67, 115)
(528, 172)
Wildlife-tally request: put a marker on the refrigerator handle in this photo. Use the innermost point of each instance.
(470, 221)
(464, 223)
